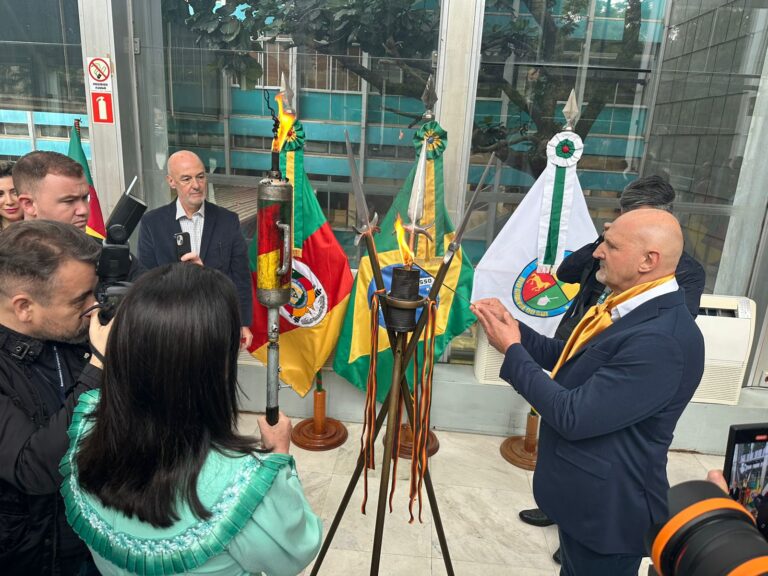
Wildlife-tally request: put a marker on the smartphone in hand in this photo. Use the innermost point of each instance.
(183, 244)
(746, 462)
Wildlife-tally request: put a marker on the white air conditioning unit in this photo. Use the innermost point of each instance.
(728, 326)
(487, 361)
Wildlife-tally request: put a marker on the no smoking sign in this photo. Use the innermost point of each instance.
(99, 73)
(98, 70)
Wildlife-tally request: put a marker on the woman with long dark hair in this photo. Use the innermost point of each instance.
(10, 209)
(157, 478)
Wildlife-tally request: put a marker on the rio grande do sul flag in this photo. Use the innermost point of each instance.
(453, 315)
(551, 222)
(320, 282)
(95, 226)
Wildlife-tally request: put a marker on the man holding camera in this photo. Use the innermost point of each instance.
(47, 278)
(52, 186)
(214, 232)
(618, 387)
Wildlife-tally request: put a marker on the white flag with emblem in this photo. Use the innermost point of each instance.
(551, 222)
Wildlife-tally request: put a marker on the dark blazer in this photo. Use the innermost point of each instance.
(607, 420)
(222, 247)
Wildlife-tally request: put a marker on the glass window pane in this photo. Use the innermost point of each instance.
(41, 77)
(362, 70)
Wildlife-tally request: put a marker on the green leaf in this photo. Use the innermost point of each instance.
(253, 73)
(230, 25)
(211, 25)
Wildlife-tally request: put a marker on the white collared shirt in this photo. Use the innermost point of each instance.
(193, 225)
(621, 310)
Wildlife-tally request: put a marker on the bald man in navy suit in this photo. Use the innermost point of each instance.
(608, 416)
(217, 241)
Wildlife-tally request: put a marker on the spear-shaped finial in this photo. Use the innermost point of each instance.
(416, 203)
(571, 112)
(285, 88)
(429, 98)
(77, 126)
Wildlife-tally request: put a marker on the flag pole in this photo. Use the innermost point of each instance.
(523, 451)
(320, 432)
(366, 226)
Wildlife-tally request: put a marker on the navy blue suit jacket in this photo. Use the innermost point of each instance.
(607, 420)
(222, 247)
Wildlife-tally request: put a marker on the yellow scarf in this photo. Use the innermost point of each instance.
(598, 318)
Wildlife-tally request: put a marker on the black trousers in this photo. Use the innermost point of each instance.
(578, 560)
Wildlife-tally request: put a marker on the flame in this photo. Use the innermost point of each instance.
(405, 251)
(286, 120)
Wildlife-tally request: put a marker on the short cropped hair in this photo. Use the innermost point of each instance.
(6, 168)
(32, 251)
(649, 192)
(32, 168)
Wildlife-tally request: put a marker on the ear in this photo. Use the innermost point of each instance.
(173, 192)
(24, 307)
(650, 261)
(28, 205)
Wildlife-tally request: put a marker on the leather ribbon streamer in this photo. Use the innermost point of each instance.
(422, 406)
(369, 416)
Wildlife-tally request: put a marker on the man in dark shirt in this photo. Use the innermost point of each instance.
(47, 277)
(581, 267)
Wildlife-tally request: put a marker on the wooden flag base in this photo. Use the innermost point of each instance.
(319, 433)
(406, 442)
(522, 451)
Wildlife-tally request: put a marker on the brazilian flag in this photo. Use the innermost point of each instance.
(453, 315)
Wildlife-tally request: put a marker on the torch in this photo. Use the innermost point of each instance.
(275, 244)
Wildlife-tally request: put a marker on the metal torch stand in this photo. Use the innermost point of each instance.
(403, 349)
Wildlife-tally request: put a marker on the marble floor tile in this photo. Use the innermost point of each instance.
(478, 493)
(474, 461)
(552, 538)
(356, 563)
(356, 531)
(346, 460)
(314, 462)
(684, 466)
(480, 527)
(483, 569)
(711, 461)
(315, 486)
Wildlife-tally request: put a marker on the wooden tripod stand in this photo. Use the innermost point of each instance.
(401, 347)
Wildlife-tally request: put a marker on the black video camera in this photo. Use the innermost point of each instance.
(115, 261)
(707, 534)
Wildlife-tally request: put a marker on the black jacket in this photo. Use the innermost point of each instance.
(222, 247)
(580, 268)
(35, 412)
